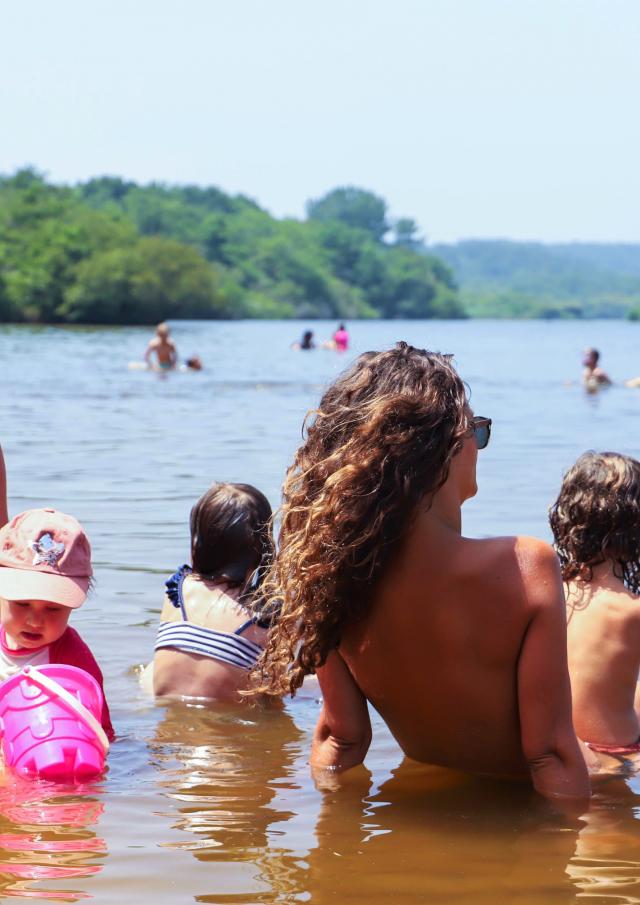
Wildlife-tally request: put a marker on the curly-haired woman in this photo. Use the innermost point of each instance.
(460, 644)
(596, 525)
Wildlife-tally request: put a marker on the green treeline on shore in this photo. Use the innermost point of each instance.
(501, 278)
(109, 251)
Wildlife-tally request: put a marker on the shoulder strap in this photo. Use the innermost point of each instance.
(174, 588)
(244, 626)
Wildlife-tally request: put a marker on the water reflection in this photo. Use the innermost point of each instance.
(436, 836)
(226, 769)
(433, 835)
(45, 834)
(606, 863)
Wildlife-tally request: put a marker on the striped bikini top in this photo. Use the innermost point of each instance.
(229, 647)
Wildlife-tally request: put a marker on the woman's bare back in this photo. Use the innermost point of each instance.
(439, 656)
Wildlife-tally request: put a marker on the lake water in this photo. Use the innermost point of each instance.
(216, 804)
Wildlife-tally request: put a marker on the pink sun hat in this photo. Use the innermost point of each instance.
(45, 555)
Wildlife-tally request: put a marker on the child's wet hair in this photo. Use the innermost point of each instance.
(231, 536)
(597, 517)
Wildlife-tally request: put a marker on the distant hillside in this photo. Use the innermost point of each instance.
(498, 278)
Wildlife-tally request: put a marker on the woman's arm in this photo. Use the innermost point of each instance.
(548, 739)
(343, 732)
(4, 512)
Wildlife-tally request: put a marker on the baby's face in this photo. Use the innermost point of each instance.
(32, 623)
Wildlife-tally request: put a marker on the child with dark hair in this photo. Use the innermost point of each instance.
(596, 526)
(212, 628)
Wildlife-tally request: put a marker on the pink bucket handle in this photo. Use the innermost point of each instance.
(46, 682)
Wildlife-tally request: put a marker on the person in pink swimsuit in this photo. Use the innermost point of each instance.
(341, 339)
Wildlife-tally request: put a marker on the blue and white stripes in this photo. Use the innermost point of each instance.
(225, 646)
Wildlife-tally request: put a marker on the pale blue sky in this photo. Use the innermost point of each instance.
(513, 118)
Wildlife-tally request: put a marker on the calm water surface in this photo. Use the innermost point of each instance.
(215, 804)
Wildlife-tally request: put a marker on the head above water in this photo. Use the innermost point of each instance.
(596, 517)
(231, 539)
(383, 439)
(162, 330)
(591, 357)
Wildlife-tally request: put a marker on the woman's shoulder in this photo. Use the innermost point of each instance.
(520, 550)
(518, 566)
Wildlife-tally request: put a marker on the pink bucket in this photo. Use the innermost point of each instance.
(50, 723)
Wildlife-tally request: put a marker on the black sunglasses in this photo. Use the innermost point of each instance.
(481, 428)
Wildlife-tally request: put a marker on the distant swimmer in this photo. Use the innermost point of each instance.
(306, 342)
(593, 376)
(192, 364)
(341, 339)
(164, 350)
(339, 342)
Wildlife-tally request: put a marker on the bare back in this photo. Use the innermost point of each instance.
(183, 673)
(603, 636)
(442, 655)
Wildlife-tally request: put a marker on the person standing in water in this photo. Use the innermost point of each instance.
(163, 348)
(341, 339)
(593, 376)
(459, 643)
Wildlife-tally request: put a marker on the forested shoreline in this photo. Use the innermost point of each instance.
(109, 251)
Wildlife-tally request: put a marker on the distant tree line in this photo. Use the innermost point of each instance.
(530, 279)
(109, 251)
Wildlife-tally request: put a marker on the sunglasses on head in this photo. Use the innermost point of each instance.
(481, 429)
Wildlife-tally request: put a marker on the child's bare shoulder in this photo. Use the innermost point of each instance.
(623, 605)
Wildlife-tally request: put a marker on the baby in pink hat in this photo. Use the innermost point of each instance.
(45, 571)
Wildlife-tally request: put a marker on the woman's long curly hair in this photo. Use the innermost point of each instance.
(381, 440)
(597, 518)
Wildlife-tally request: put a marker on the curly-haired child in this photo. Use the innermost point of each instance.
(596, 526)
